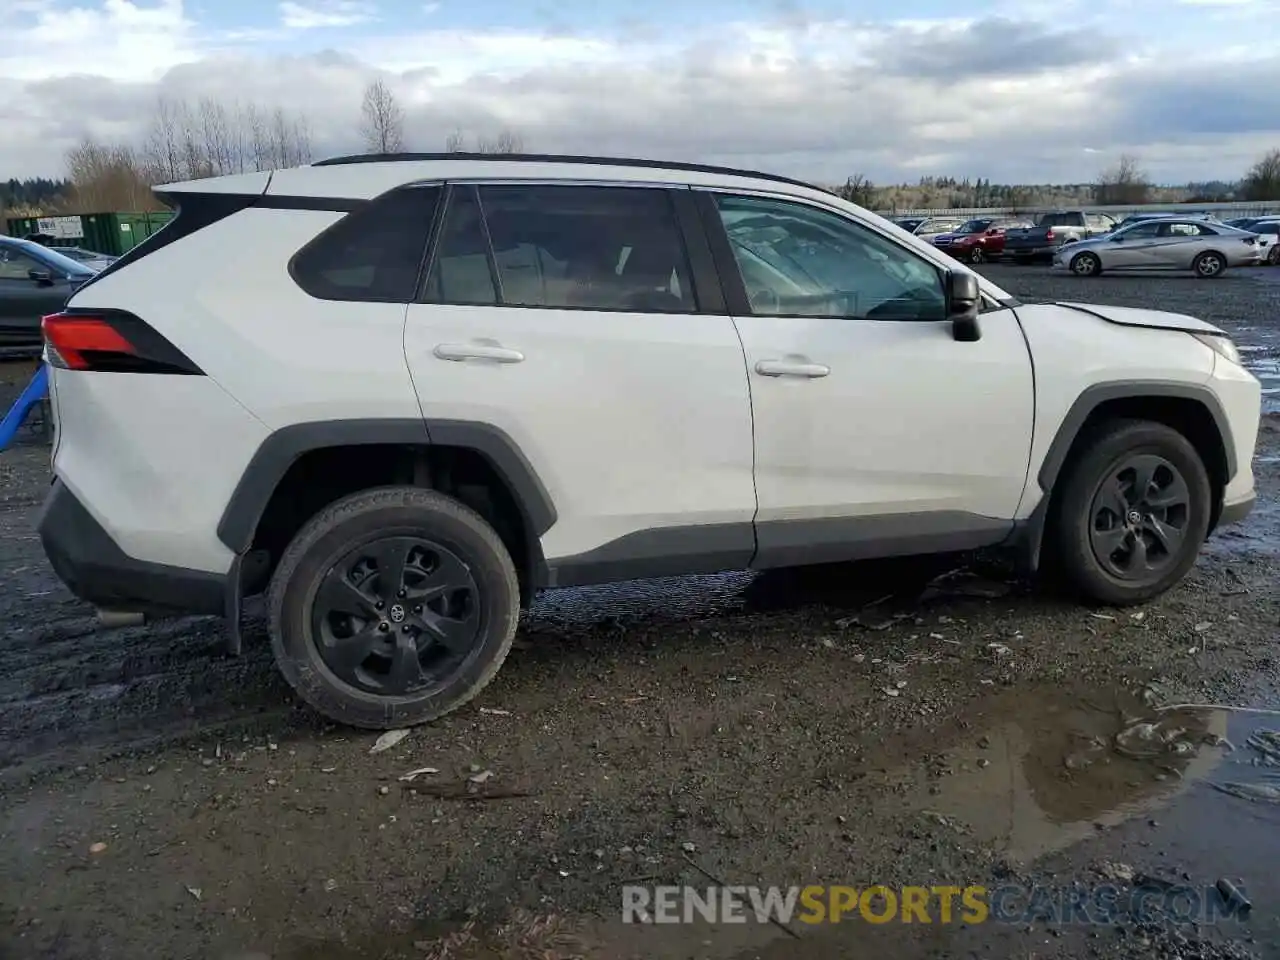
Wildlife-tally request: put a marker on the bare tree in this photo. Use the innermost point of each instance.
(858, 189)
(507, 141)
(456, 142)
(1124, 183)
(162, 151)
(106, 177)
(1262, 182)
(383, 121)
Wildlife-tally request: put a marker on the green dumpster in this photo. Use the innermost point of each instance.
(110, 233)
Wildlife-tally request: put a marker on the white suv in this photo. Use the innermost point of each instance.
(401, 394)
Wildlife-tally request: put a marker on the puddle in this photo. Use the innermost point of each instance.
(1050, 765)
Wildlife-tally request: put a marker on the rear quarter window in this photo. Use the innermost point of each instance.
(373, 254)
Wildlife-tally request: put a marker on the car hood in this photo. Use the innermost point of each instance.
(951, 237)
(1137, 317)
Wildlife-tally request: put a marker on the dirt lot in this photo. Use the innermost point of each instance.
(860, 725)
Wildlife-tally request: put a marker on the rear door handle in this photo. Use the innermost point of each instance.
(493, 352)
(792, 368)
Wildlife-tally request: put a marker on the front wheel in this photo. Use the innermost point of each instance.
(1086, 265)
(976, 255)
(1133, 512)
(1273, 255)
(1209, 264)
(391, 607)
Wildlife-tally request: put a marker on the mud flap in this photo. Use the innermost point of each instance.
(235, 590)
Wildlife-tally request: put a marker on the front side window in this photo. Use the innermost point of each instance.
(800, 261)
(17, 266)
(372, 254)
(1143, 230)
(564, 246)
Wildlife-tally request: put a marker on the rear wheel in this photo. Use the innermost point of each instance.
(1209, 264)
(392, 607)
(1133, 512)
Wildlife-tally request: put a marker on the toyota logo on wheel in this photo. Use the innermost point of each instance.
(397, 613)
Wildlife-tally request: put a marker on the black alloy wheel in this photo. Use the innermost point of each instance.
(396, 615)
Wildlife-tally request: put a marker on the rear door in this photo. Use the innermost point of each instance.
(586, 323)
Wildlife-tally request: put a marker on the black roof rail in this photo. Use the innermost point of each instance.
(566, 158)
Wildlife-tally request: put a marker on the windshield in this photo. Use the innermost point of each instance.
(1059, 219)
(974, 226)
(54, 259)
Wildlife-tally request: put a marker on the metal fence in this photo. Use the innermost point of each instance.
(1224, 211)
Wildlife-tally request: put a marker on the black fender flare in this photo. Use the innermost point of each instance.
(1029, 536)
(282, 448)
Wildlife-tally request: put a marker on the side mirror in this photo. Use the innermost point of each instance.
(964, 299)
(42, 277)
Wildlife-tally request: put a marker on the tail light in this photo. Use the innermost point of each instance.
(110, 341)
(1049, 235)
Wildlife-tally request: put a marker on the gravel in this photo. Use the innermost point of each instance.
(746, 719)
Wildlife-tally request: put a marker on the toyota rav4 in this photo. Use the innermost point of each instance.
(398, 395)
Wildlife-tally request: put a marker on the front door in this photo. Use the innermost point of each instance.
(568, 317)
(876, 431)
(1132, 249)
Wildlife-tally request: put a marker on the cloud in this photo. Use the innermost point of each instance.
(324, 14)
(999, 97)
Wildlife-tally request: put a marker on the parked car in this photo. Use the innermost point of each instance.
(929, 227)
(399, 396)
(936, 226)
(979, 239)
(1159, 215)
(1052, 231)
(1163, 245)
(90, 258)
(34, 280)
(1268, 233)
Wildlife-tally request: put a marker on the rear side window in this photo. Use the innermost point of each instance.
(373, 254)
(577, 247)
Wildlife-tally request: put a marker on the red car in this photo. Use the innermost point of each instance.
(979, 239)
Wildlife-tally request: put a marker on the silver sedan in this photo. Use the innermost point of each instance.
(1169, 244)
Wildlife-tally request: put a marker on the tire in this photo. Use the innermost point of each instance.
(1086, 264)
(977, 255)
(435, 541)
(1209, 265)
(1273, 255)
(1085, 522)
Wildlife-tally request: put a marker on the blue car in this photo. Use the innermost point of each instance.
(34, 281)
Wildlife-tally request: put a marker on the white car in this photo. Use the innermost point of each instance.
(400, 396)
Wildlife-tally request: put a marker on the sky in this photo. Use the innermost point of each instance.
(1033, 91)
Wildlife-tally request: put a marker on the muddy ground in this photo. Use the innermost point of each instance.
(853, 725)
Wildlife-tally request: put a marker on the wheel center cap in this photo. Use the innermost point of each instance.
(1134, 518)
(396, 613)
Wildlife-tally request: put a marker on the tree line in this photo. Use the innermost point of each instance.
(187, 140)
(1123, 183)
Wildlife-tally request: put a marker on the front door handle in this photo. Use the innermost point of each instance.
(792, 368)
(489, 350)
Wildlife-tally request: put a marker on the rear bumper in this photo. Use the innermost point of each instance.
(1037, 251)
(95, 569)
